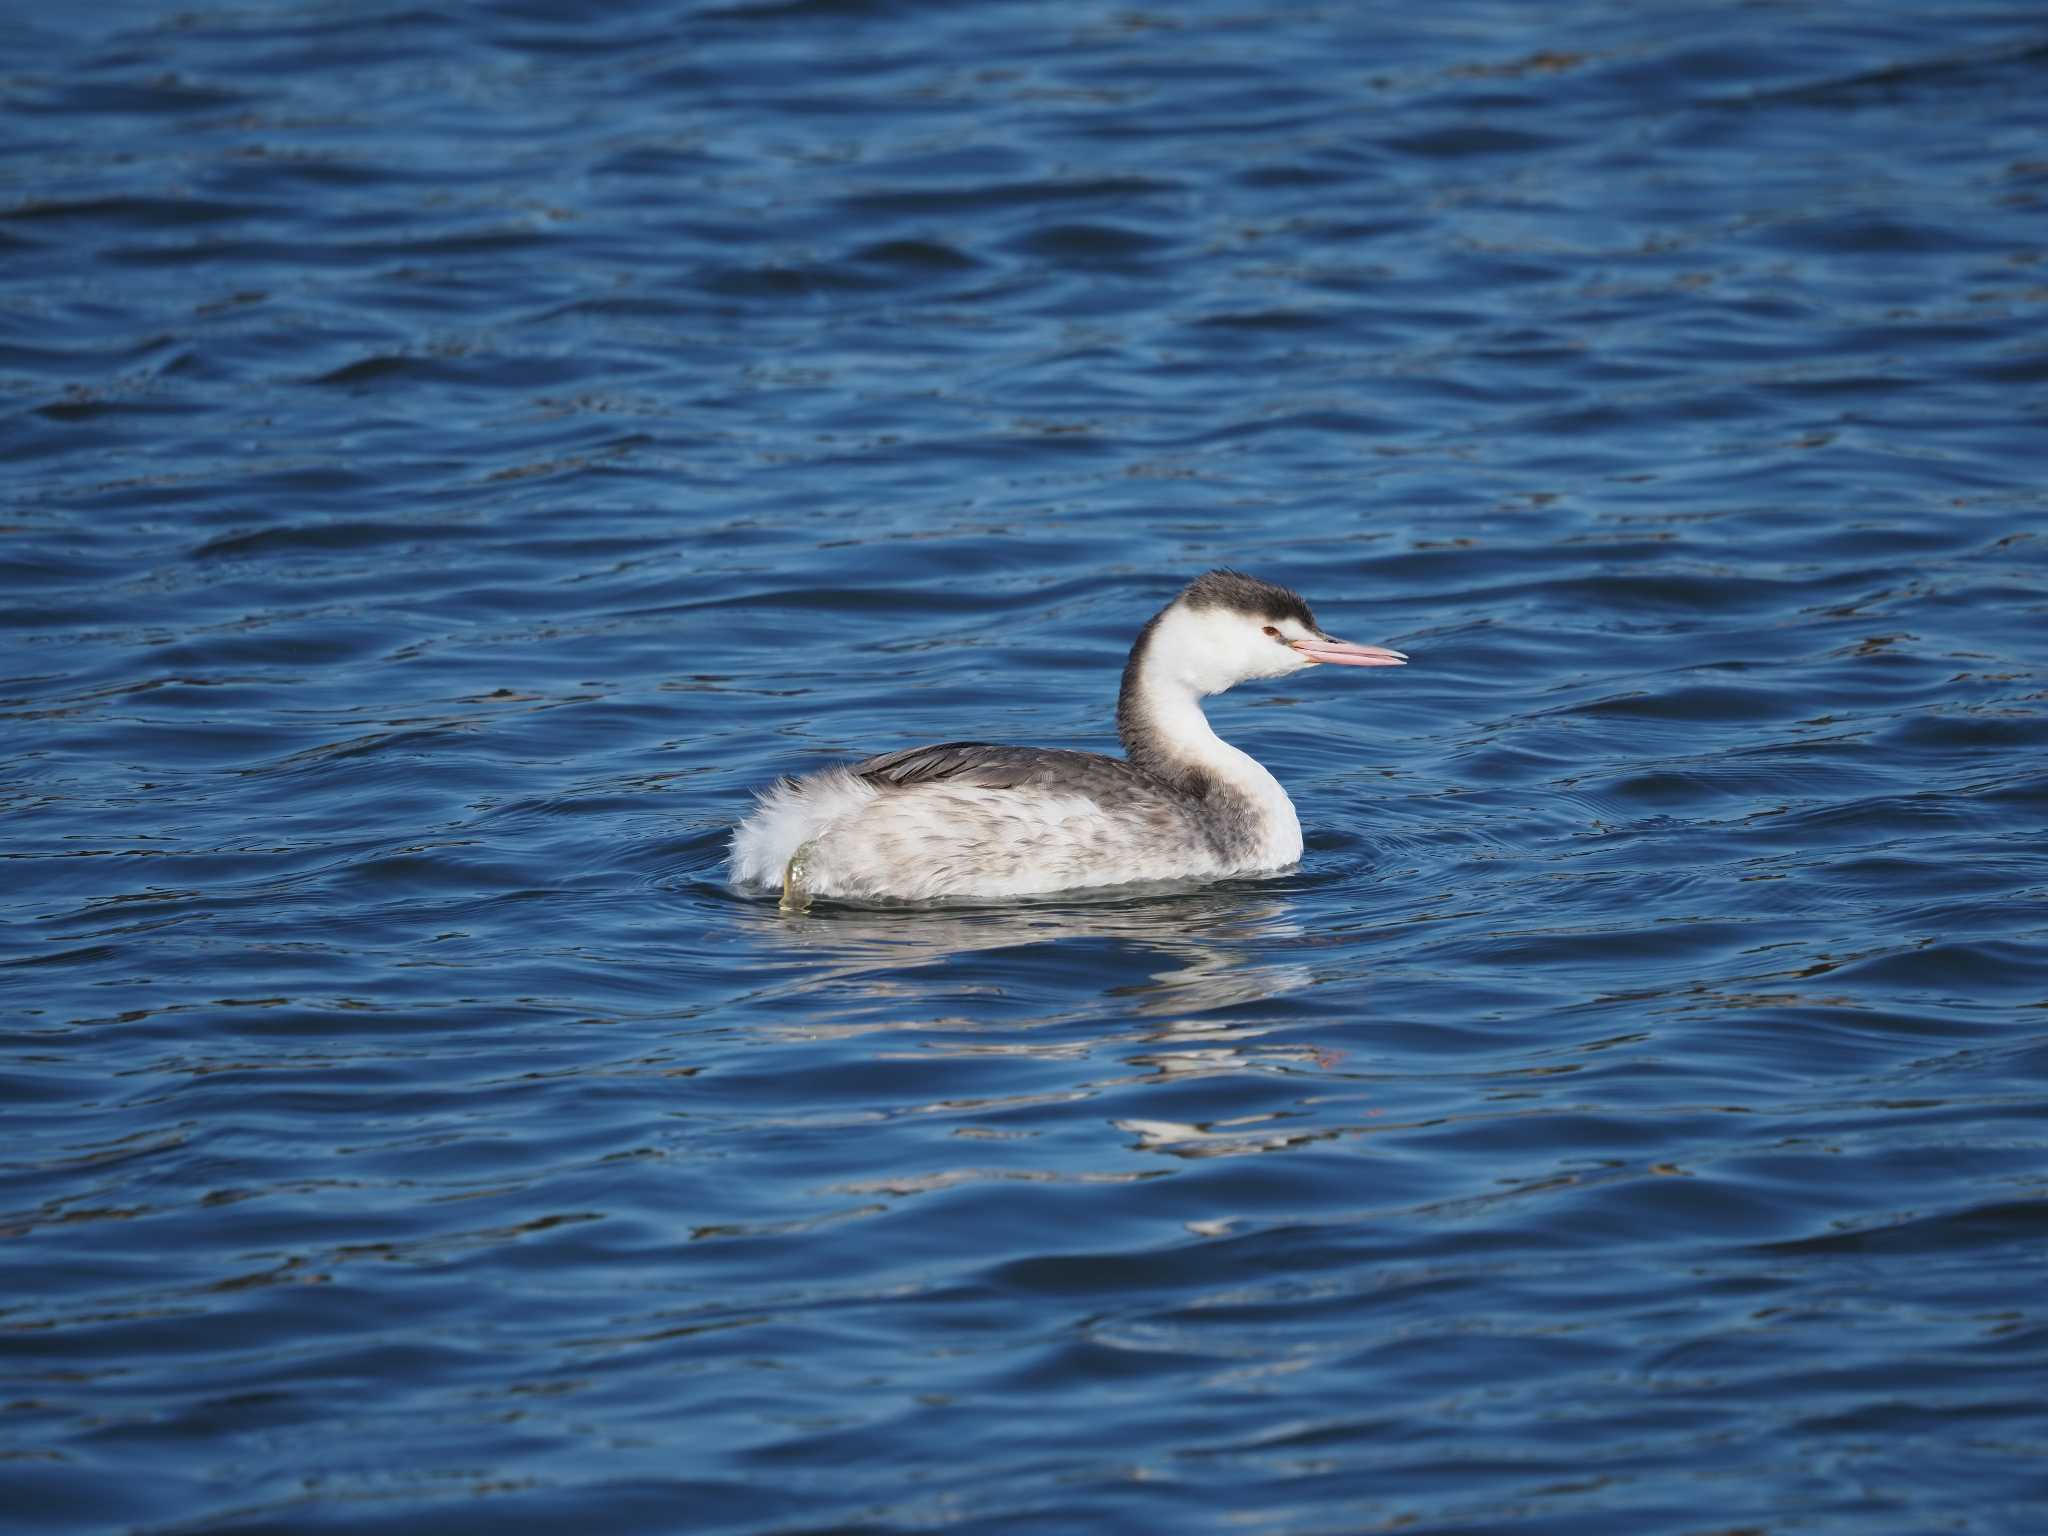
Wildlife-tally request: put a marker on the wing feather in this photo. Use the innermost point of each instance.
(985, 765)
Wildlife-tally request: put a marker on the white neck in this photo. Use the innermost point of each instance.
(1165, 732)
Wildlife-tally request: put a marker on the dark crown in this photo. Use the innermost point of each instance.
(1248, 595)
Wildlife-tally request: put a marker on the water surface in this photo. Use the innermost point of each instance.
(454, 454)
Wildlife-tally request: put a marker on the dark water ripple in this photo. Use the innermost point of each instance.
(452, 454)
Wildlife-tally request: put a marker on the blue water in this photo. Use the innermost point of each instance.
(452, 454)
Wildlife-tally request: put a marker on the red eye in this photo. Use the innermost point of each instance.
(1273, 632)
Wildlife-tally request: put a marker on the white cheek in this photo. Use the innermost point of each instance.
(1291, 660)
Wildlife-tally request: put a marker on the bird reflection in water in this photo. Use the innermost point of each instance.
(1165, 966)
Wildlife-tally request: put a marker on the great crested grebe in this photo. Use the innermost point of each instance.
(970, 820)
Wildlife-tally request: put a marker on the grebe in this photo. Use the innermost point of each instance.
(970, 820)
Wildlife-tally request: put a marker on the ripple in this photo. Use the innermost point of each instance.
(456, 461)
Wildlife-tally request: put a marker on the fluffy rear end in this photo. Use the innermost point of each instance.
(788, 814)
